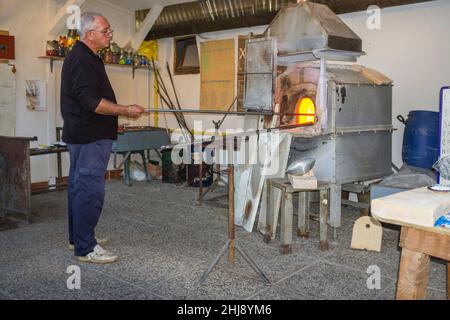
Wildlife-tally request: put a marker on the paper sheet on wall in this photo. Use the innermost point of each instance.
(217, 74)
(445, 129)
(7, 100)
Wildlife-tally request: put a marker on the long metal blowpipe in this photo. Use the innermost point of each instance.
(197, 111)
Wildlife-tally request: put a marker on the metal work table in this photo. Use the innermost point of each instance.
(134, 140)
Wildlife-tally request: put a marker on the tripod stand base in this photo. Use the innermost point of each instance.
(243, 254)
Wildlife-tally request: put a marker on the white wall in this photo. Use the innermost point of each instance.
(26, 20)
(412, 48)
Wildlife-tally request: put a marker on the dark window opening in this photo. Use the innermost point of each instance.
(186, 60)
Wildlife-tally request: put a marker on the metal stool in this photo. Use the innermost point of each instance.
(286, 215)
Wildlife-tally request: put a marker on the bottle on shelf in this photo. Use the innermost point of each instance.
(101, 55)
(122, 58)
(71, 39)
(108, 56)
(129, 58)
(62, 46)
(136, 60)
(143, 61)
(51, 48)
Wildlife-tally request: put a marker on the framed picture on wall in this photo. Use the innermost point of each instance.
(35, 91)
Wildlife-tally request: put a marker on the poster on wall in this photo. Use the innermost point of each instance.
(35, 91)
(217, 74)
(7, 100)
(443, 166)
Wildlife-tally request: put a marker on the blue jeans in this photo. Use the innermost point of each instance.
(86, 192)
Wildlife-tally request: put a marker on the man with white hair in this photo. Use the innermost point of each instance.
(90, 112)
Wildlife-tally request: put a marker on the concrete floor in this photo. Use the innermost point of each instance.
(166, 242)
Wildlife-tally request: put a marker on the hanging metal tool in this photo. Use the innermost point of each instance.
(165, 97)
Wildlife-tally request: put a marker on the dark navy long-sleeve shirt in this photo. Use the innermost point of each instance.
(84, 83)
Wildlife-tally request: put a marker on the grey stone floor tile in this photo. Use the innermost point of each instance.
(155, 216)
(387, 260)
(210, 228)
(202, 248)
(187, 217)
(391, 233)
(6, 296)
(144, 270)
(438, 274)
(95, 285)
(6, 235)
(45, 277)
(14, 248)
(125, 229)
(143, 295)
(334, 282)
(432, 294)
(45, 235)
(49, 206)
(281, 292)
(219, 285)
(271, 262)
(244, 235)
(132, 207)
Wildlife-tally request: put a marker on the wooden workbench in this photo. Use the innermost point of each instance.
(418, 243)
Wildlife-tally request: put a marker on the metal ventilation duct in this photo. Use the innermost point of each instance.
(214, 15)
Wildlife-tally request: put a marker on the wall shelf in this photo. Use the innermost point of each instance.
(52, 59)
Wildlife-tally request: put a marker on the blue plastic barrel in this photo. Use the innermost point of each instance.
(421, 138)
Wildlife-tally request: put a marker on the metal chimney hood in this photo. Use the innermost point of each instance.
(308, 31)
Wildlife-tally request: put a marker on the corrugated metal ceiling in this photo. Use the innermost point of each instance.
(213, 15)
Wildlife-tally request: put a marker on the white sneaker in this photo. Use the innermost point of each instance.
(98, 255)
(101, 241)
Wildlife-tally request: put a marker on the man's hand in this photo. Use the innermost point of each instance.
(135, 111)
(111, 109)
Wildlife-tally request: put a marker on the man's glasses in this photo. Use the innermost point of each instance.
(105, 31)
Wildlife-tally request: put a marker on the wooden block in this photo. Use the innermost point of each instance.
(367, 233)
(413, 276)
(307, 181)
(4, 33)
